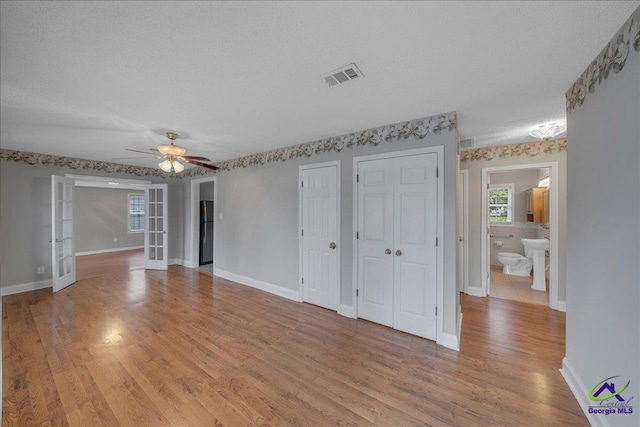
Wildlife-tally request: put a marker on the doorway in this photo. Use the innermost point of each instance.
(505, 217)
(203, 233)
(109, 220)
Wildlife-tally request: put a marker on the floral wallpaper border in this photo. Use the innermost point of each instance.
(73, 163)
(612, 58)
(528, 149)
(418, 129)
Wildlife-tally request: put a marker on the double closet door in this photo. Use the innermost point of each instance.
(397, 231)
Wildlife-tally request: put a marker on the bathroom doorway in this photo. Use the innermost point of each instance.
(508, 216)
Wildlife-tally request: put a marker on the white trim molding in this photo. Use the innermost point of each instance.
(448, 340)
(104, 251)
(346, 311)
(26, 287)
(259, 284)
(577, 388)
(475, 291)
(562, 306)
(192, 206)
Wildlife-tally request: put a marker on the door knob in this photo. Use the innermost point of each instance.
(460, 239)
(332, 245)
(387, 251)
(398, 252)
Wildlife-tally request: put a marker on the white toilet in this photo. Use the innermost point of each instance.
(515, 264)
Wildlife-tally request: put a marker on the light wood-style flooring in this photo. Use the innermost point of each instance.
(182, 348)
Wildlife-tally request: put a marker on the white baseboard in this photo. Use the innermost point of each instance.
(459, 326)
(104, 251)
(448, 340)
(578, 389)
(346, 311)
(189, 264)
(474, 291)
(174, 261)
(259, 284)
(562, 306)
(26, 287)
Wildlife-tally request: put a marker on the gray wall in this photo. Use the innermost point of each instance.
(475, 208)
(102, 215)
(258, 235)
(25, 218)
(522, 180)
(603, 243)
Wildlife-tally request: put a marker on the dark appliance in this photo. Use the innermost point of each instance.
(206, 232)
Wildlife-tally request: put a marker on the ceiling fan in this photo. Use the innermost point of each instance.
(174, 154)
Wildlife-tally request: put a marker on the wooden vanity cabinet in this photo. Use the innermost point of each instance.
(535, 205)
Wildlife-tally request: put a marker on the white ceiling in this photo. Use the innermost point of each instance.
(89, 79)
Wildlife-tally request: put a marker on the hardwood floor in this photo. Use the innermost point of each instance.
(180, 348)
(106, 264)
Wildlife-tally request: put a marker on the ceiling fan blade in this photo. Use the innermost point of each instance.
(202, 159)
(144, 152)
(204, 165)
(128, 158)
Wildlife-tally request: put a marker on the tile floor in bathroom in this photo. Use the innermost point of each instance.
(518, 288)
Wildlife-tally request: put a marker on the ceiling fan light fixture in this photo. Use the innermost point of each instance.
(171, 150)
(165, 166)
(177, 166)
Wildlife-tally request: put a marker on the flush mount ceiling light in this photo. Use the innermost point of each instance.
(547, 131)
(173, 154)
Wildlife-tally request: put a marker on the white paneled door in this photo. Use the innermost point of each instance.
(62, 236)
(397, 227)
(155, 231)
(319, 235)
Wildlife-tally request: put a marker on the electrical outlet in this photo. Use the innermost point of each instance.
(115, 240)
(40, 270)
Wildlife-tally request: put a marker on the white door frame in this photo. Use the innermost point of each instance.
(464, 177)
(194, 260)
(439, 150)
(302, 168)
(554, 232)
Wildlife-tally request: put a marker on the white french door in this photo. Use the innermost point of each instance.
(63, 251)
(320, 252)
(397, 227)
(155, 231)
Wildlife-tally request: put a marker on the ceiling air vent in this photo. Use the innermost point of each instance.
(343, 75)
(466, 143)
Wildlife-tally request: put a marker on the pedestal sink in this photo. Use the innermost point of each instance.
(535, 249)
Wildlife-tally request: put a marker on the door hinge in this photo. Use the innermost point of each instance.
(357, 292)
(436, 241)
(436, 311)
(302, 232)
(302, 184)
(487, 186)
(357, 178)
(303, 280)
(437, 172)
(357, 235)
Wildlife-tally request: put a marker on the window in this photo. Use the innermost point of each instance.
(136, 213)
(501, 204)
